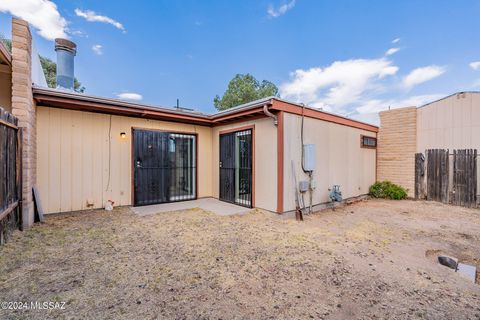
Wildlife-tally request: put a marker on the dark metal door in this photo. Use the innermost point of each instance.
(164, 167)
(236, 167)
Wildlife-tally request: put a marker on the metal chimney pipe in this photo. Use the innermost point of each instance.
(66, 51)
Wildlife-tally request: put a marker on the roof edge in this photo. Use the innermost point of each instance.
(5, 53)
(448, 96)
(324, 112)
(117, 102)
(94, 103)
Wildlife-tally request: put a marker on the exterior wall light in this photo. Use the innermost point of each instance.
(123, 135)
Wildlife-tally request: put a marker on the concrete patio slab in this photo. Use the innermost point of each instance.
(208, 204)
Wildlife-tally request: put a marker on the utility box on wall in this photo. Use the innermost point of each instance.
(309, 157)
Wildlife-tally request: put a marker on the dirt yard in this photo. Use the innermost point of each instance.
(370, 260)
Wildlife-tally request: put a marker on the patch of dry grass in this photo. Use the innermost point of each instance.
(193, 264)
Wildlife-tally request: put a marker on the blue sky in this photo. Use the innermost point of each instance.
(328, 54)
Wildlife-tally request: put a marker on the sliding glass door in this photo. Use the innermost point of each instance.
(164, 167)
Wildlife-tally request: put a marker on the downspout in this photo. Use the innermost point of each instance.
(269, 114)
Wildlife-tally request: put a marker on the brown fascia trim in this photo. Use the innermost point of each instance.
(75, 101)
(69, 100)
(238, 116)
(289, 107)
(6, 56)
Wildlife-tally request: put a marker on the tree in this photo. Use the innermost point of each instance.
(6, 42)
(49, 68)
(244, 88)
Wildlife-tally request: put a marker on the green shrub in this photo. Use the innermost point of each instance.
(387, 190)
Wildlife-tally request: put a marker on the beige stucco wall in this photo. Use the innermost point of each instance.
(73, 158)
(265, 161)
(450, 123)
(339, 159)
(397, 143)
(5, 88)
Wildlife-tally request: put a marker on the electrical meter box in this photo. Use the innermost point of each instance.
(303, 186)
(309, 157)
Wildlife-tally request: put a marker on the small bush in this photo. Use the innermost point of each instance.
(387, 190)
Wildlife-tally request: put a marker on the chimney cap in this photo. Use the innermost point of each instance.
(64, 44)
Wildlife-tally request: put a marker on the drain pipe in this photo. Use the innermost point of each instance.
(269, 114)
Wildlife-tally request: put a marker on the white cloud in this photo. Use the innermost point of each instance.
(396, 40)
(392, 51)
(422, 74)
(476, 84)
(376, 105)
(130, 96)
(372, 118)
(339, 84)
(98, 49)
(91, 16)
(358, 88)
(41, 14)
(475, 65)
(368, 110)
(78, 33)
(277, 12)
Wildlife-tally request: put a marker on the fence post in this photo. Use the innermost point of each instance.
(20, 177)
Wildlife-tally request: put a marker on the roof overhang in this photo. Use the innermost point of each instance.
(253, 110)
(81, 102)
(298, 109)
(5, 56)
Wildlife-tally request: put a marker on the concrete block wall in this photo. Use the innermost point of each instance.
(23, 107)
(397, 143)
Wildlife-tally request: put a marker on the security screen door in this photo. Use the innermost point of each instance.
(164, 167)
(236, 167)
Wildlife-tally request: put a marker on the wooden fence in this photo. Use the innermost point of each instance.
(465, 178)
(10, 175)
(447, 177)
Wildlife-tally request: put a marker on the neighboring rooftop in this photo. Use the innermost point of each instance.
(449, 96)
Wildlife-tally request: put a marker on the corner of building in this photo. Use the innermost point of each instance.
(397, 145)
(23, 107)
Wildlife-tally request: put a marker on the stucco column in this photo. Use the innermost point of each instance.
(23, 108)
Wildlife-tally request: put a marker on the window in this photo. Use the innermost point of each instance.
(368, 142)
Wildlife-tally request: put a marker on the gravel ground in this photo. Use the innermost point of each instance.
(371, 260)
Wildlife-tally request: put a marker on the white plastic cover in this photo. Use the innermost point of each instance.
(309, 157)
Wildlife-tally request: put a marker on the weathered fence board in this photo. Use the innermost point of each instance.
(437, 175)
(465, 178)
(460, 188)
(10, 176)
(419, 176)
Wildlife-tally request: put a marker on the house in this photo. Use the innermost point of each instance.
(451, 123)
(82, 150)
